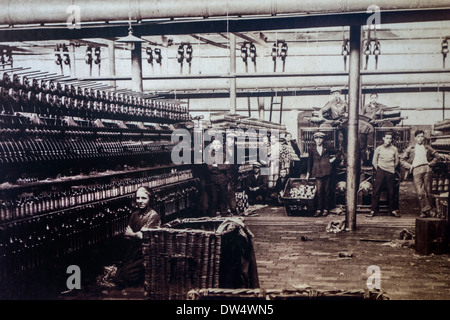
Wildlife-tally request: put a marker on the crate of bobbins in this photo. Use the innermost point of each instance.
(440, 182)
(442, 205)
(194, 253)
(299, 195)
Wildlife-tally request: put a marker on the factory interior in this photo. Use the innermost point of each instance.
(102, 101)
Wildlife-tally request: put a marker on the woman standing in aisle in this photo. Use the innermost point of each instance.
(218, 170)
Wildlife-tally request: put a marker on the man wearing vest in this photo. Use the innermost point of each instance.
(419, 159)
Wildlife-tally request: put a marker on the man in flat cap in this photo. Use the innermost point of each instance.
(320, 165)
(335, 108)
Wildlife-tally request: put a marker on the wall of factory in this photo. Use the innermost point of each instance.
(316, 55)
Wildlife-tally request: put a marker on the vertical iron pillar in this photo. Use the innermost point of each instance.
(261, 109)
(352, 141)
(136, 67)
(73, 69)
(112, 63)
(233, 73)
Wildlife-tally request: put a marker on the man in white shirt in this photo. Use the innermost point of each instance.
(419, 159)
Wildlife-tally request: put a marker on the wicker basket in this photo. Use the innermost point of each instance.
(188, 254)
(284, 294)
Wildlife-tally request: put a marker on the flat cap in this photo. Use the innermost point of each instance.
(335, 89)
(256, 165)
(319, 135)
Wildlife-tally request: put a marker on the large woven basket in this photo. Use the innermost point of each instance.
(187, 254)
(285, 294)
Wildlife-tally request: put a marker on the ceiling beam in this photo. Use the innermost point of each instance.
(203, 39)
(273, 75)
(219, 25)
(293, 93)
(251, 38)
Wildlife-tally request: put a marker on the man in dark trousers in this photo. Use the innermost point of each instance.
(277, 191)
(320, 159)
(385, 160)
(218, 169)
(418, 160)
(256, 186)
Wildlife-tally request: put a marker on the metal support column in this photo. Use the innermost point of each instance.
(261, 109)
(281, 109)
(136, 67)
(112, 63)
(233, 73)
(73, 69)
(353, 145)
(443, 105)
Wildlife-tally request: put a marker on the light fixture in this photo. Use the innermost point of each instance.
(98, 53)
(88, 57)
(279, 49)
(274, 53)
(2, 57)
(189, 51)
(149, 52)
(346, 48)
(9, 59)
(345, 51)
(244, 53)
(445, 47)
(58, 58)
(130, 40)
(367, 52)
(180, 54)
(185, 52)
(444, 51)
(253, 52)
(284, 49)
(66, 54)
(158, 55)
(367, 48)
(376, 48)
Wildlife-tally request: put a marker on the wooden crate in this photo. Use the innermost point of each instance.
(430, 236)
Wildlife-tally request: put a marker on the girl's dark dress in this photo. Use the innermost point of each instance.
(131, 270)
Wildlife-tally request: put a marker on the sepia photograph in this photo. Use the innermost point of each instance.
(247, 153)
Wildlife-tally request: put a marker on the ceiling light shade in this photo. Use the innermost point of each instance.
(130, 40)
